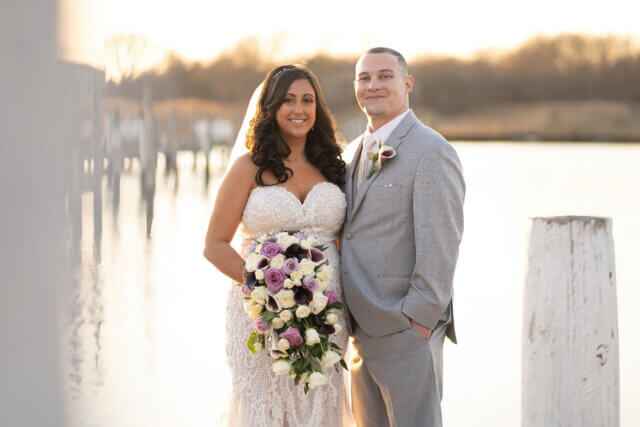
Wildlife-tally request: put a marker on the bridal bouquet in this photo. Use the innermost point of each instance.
(285, 280)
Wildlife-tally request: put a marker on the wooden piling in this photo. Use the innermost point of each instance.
(570, 370)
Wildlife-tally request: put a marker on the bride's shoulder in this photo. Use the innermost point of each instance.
(242, 166)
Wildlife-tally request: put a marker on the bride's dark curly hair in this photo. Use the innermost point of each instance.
(268, 149)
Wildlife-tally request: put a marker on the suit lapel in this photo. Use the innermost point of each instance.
(350, 177)
(394, 140)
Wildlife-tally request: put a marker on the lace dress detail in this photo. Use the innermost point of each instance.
(259, 397)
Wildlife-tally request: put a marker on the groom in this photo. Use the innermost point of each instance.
(399, 247)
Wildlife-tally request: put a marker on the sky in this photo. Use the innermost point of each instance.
(200, 30)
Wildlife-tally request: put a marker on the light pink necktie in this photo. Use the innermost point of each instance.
(364, 162)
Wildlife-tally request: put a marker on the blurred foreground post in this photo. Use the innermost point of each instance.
(32, 222)
(570, 373)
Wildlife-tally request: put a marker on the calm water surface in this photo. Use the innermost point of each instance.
(143, 341)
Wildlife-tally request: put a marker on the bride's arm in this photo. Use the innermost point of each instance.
(226, 216)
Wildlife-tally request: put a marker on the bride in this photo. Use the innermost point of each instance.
(288, 180)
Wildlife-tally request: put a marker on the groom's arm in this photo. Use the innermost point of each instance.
(438, 197)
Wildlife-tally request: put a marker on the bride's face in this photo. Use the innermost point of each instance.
(297, 114)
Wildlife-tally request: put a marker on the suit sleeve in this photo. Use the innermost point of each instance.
(438, 197)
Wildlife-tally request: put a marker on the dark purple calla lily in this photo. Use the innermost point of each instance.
(272, 304)
(292, 251)
(271, 240)
(250, 280)
(302, 253)
(326, 329)
(278, 353)
(323, 328)
(315, 255)
(302, 295)
(263, 263)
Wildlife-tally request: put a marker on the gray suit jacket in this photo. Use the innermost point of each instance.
(399, 243)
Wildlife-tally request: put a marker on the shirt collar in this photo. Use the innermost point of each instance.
(385, 130)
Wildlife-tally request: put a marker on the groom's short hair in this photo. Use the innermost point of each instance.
(401, 61)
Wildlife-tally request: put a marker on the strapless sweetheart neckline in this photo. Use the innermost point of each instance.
(291, 193)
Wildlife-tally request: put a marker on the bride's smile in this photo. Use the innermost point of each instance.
(297, 113)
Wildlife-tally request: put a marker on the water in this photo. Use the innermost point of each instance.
(143, 341)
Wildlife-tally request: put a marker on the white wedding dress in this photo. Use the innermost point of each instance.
(259, 397)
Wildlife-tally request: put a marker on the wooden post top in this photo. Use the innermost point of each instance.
(562, 220)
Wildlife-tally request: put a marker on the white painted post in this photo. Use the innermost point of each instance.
(570, 372)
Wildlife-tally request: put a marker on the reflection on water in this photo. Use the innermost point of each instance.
(143, 323)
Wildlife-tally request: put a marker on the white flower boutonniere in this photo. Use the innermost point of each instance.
(385, 152)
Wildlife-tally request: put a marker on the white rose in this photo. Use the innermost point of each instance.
(287, 241)
(303, 311)
(253, 309)
(316, 380)
(281, 235)
(284, 298)
(288, 283)
(325, 272)
(277, 261)
(277, 323)
(297, 282)
(338, 328)
(329, 359)
(283, 344)
(311, 337)
(297, 275)
(260, 275)
(322, 284)
(286, 315)
(257, 346)
(314, 241)
(306, 243)
(281, 367)
(258, 248)
(306, 267)
(251, 263)
(259, 295)
(318, 303)
(332, 318)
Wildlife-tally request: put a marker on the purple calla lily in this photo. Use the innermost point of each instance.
(315, 255)
(302, 295)
(272, 304)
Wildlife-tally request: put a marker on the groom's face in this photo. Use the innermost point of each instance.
(382, 86)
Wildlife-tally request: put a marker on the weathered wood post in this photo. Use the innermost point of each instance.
(570, 372)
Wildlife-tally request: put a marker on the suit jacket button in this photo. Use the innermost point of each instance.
(348, 236)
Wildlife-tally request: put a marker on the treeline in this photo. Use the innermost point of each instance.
(566, 67)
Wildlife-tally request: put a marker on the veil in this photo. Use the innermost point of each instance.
(239, 148)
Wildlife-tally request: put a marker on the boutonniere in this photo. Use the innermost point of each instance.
(385, 152)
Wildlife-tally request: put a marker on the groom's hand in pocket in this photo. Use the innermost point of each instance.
(422, 330)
